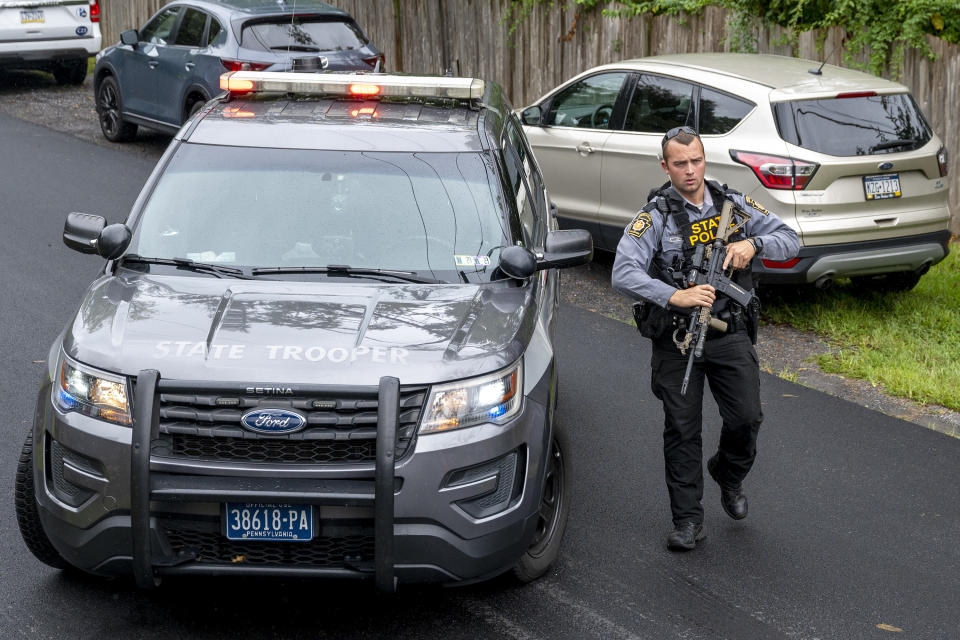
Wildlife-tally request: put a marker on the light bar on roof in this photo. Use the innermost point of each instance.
(349, 84)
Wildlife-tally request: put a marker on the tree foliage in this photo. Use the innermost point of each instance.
(881, 29)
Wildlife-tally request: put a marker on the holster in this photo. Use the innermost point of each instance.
(653, 321)
(751, 318)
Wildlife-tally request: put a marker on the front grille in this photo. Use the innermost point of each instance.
(263, 450)
(341, 426)
(214, 548)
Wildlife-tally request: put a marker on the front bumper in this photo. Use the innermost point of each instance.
(149, 515)
(912, 253)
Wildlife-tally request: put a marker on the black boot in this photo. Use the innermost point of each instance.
(685, 536)
(732, 499)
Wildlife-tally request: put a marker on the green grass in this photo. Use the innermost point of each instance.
(907, 342)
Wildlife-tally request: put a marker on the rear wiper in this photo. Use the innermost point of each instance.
(893, 144)
(295, 47)
(186, 263)
(342, 269)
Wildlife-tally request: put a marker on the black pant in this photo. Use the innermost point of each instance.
(730, 364)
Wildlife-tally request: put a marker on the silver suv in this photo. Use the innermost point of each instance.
(845, 158)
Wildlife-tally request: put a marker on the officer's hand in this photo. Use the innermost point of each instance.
(701, 295)
(739, 254)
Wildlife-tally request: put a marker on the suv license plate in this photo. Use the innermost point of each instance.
(31, 16)
(256, 521)
(882, 187)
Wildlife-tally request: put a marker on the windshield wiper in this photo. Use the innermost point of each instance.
(344, 270)
(217, 270)
(295, 47)
(893, 144)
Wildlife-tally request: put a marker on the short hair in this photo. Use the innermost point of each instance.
(683, 138)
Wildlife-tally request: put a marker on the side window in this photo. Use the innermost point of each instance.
(720, 112)
(215, 31)
(534, 182)
(158, 30)
(190, 33)
(520, 194)
(587, 103)
(659, 104)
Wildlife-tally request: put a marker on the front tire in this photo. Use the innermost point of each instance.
(552, 514)
(110, 112)
(28, 516)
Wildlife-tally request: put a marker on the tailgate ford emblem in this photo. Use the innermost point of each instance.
(885, 166)
(273, 421)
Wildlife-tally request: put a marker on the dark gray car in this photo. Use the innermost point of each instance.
(159, 76)
(322, 344)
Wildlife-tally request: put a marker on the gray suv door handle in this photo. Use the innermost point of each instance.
(190, 65)
(153, 64)
(584, 149)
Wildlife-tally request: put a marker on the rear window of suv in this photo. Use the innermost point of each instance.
(854, 126)
(302, 35)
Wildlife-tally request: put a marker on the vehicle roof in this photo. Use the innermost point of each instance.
(790, 78)
(253, 8)
(348, 125)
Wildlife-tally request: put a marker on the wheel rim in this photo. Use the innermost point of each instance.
(551, 503)
(109, 109)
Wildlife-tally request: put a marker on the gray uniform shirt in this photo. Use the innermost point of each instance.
(655, 236)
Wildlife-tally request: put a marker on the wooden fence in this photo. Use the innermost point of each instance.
(556, 42)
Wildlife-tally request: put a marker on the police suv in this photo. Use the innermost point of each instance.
(321, 345)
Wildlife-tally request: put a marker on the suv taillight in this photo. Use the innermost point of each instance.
(243, 65)
(777, 172)
(94, 10)
(942, 159)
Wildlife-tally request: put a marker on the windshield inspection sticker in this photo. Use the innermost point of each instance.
(472, 261)
(313, 353)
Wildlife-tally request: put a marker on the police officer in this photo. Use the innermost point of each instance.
(653, 256)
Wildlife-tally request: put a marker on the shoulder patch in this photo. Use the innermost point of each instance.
(640, 224)
(756, 205)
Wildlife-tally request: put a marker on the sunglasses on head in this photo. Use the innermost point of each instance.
(673, 133)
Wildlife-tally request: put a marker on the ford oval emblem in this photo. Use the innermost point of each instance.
(81, 31)
(273, 421)
(885, 166)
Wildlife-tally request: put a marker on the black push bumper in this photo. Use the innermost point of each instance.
(149, 561)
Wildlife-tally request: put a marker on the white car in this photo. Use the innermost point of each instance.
(845, 158)
(51, 35)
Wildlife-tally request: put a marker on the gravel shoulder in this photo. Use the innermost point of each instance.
(35, 97)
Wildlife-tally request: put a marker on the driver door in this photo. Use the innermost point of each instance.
(570, 145)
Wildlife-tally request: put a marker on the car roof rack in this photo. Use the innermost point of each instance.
(358, 85)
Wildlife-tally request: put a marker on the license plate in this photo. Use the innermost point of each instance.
(882, 187)
(31, 16)
(256, 521)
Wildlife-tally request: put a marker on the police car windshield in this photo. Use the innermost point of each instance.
(437, 215)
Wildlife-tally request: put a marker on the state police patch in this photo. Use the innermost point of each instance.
(756, 205)
(640, 224)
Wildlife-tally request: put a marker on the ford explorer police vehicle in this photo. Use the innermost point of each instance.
(321, 345)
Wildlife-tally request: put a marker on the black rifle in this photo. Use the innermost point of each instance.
(708, 269)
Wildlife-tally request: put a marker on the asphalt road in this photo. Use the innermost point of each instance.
(853, 514)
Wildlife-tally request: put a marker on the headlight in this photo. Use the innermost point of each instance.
(93, 393)
(491, 398)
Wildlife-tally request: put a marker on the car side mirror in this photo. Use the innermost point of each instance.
(82, 230)
(566, 248)
(517, 262)
(130, 36)
(532, 116)
(89, 233)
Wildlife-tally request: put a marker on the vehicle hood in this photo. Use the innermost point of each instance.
(200, 328)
